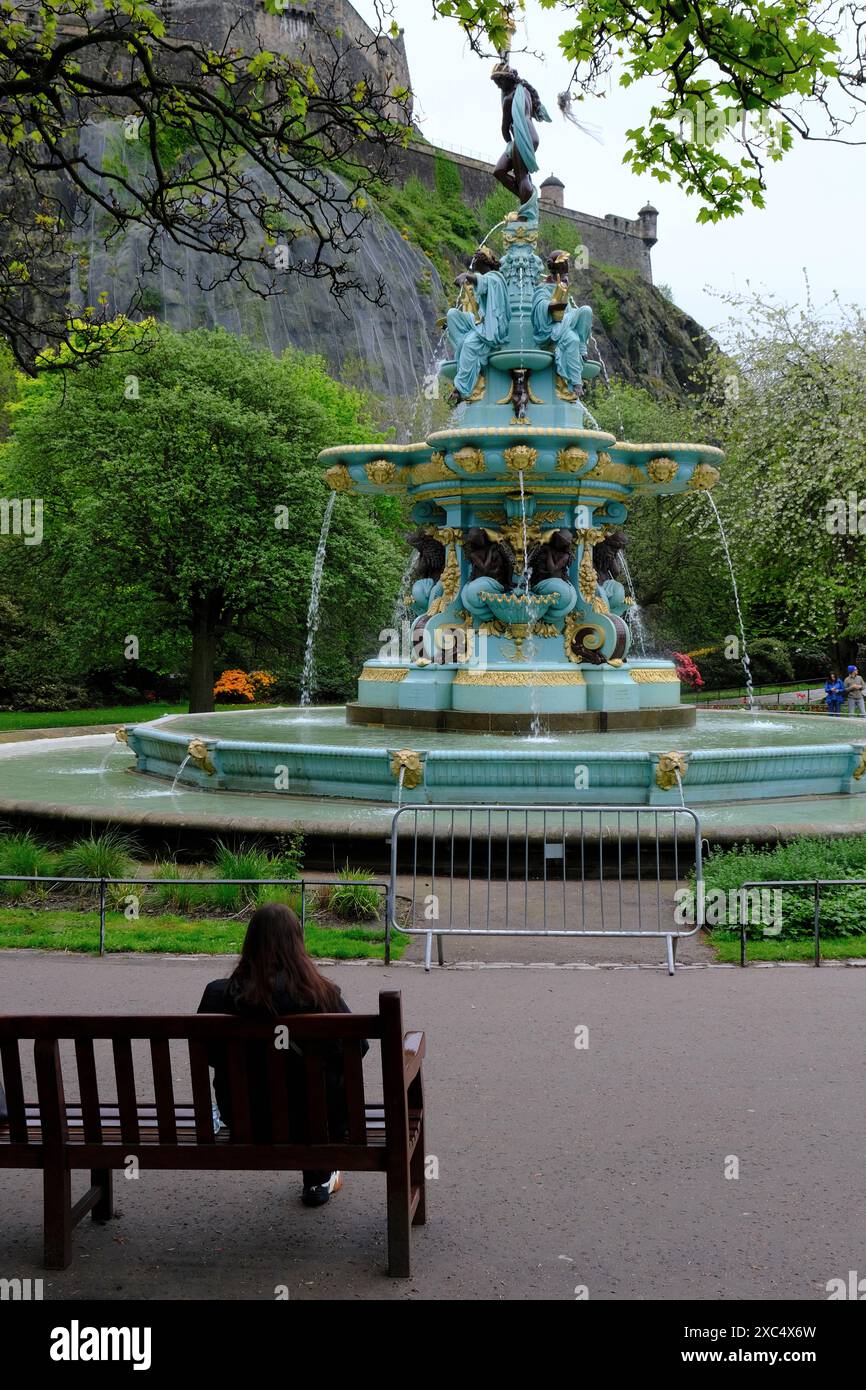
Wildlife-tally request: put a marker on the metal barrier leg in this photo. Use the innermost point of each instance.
(671, 954)
(428, 950)
(440, 949)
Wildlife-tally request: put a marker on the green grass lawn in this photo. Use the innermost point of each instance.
(727, 948)
(45, 930)
(111, 714)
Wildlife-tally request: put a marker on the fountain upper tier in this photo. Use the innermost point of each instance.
(518, 601)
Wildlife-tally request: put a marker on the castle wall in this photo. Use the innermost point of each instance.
(620, 241)
(309, 30)
(617, 241)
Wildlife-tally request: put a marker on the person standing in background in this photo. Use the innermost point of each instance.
(854, 687)
(834, 691)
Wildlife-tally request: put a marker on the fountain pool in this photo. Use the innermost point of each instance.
(752, 778)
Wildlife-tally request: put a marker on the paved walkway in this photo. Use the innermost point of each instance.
(558, 1167)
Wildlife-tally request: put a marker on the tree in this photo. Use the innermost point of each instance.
(182, 508)
(674, 556)
(761, 74)
(789, 403)
(227, 147)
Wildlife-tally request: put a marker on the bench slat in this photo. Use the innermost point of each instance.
(278, 1095)
(317, 1100)
(160, 1057)
(89, 1089)
(239, 1094)
(201, 1092)
(353, 1071)
(124, 1073)
(14, 1090)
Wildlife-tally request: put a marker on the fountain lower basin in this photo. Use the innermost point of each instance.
(729, 757)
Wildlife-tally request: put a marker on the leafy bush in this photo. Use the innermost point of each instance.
(22, 854)
(350, 899)
(247, 861)
(184, 888)
(271, 893)
(108, 855)
(843, 910)
(770, 660)
(606, 309)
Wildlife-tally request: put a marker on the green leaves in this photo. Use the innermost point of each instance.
(760, 71)
(154, 499)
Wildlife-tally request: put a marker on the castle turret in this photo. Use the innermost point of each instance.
(648, 221)
(553, 191)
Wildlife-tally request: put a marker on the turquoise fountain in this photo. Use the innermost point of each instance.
(515, 680)
(521, 618)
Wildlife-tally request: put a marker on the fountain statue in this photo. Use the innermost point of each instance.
(518, 505)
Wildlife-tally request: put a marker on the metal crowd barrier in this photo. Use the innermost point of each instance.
(545, 871)
(816, 884)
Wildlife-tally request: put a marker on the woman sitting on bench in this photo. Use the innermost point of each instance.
(275, 976)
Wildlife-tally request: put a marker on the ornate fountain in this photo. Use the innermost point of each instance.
(521, 621)
(516, 671)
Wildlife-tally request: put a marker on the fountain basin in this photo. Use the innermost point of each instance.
(523, 609)
(325, 757)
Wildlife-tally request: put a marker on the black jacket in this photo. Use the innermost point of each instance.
(218, 998)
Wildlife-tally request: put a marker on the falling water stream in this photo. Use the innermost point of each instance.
(747, 670)
(313, 609)
(402, 613)
(635, 616)
(177, 775)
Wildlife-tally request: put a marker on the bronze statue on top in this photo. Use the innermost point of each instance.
(521, 108)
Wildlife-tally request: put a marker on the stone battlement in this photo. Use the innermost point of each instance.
(620, 241)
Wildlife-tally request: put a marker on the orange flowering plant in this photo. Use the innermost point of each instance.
(235, 686)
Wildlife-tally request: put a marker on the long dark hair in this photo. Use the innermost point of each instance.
(536, 99)
(274, 957)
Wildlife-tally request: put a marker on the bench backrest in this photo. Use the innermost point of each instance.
(246, 1045)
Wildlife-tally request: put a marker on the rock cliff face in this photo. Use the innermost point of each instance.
(386, 348)
(641, 336)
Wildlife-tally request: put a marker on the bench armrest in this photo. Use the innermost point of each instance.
(414, 1046)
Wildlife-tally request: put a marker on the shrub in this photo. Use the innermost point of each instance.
(22, 854)
(843, 910)
(606, 309)
(109, 855)
(247, 861)
(236, 685)
(770, 661)
(687, 671)
(184, 889)
(350, 898)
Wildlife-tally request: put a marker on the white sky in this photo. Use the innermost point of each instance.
(816, 203)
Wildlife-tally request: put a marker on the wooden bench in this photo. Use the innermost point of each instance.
(102, 1134)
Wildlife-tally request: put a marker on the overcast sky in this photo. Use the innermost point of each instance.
(814, 216)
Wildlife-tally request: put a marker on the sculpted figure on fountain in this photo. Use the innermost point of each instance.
(564, 325)
(521, 108)
(479, 324)
(608, 566)
(549, 564)
(428, 569)
(490, 571)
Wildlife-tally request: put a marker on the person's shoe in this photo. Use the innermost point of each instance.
(317, 1196)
